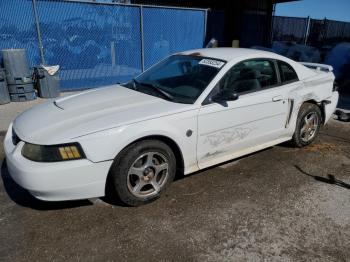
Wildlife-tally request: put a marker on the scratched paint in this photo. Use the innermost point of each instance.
(211, 154)
(227, 136)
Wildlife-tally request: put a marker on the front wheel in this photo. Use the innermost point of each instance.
(143, 171)
(308, 125)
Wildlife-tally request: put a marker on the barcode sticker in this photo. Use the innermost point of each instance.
(211, 62)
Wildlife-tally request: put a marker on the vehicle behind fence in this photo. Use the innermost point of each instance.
(98, 44)
(313, 32)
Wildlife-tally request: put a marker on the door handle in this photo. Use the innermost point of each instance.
(277, 98)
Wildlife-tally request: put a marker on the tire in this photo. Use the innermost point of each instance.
(308, 125)
(142, 171)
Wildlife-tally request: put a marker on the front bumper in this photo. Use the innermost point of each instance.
(69, 180)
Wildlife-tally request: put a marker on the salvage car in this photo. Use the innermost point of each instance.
(193, 110)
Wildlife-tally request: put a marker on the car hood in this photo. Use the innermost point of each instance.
(66, 118)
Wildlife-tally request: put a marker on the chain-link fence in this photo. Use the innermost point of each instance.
(17, 28)
(327, 32)
(289, 29)
(313, 32)
(98, 44)
(170, 30)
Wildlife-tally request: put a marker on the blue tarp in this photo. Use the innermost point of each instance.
(167, 31)
(17, 28)
(98, 44)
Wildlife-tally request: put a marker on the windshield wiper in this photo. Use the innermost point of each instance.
(165, 94)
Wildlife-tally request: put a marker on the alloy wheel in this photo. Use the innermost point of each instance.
(309, 127)
(148, 174)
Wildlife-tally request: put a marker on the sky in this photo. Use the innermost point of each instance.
(318, 9)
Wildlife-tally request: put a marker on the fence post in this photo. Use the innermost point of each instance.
(205, 26)
(272, 25)
(306, 36)
(113, 53)
(325, 29)
(41, 47)
(142, 40)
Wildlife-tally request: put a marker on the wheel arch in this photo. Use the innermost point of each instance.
(168, 141)
(303, 110)
(172, 144)
(180, 164)
(320, 106)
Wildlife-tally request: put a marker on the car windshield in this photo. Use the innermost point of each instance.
(179, 78)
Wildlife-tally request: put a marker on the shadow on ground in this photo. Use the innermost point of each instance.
(330, 179)
(23, 198)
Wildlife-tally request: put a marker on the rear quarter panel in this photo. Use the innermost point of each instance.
(316, 88)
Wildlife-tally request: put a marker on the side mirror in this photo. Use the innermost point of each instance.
(225, 95)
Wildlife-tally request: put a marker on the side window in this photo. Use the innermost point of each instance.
(287, 72)
(250, 76)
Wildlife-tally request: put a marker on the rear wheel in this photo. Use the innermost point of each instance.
(308, 125)
(143, 171)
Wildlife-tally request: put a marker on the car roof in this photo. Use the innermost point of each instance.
(231, 53)
(228, 53)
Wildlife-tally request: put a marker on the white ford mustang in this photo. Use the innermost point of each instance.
(190, 111)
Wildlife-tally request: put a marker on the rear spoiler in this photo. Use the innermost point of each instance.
(318, 67)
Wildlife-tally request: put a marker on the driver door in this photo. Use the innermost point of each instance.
(233, 128)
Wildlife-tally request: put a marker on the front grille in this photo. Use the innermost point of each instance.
(15, 138)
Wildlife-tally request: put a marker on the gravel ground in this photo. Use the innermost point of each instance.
(280, 204)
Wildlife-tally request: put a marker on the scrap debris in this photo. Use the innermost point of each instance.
(342, 116)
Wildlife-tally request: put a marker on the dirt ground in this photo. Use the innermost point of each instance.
(280, 204)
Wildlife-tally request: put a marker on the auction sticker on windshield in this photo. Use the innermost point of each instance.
(211, 62)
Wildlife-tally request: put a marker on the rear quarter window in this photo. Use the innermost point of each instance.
(287, 72)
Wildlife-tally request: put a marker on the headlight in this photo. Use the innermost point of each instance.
(54, 153)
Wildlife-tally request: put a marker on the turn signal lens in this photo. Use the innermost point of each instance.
(69, 152)
(54, 153)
